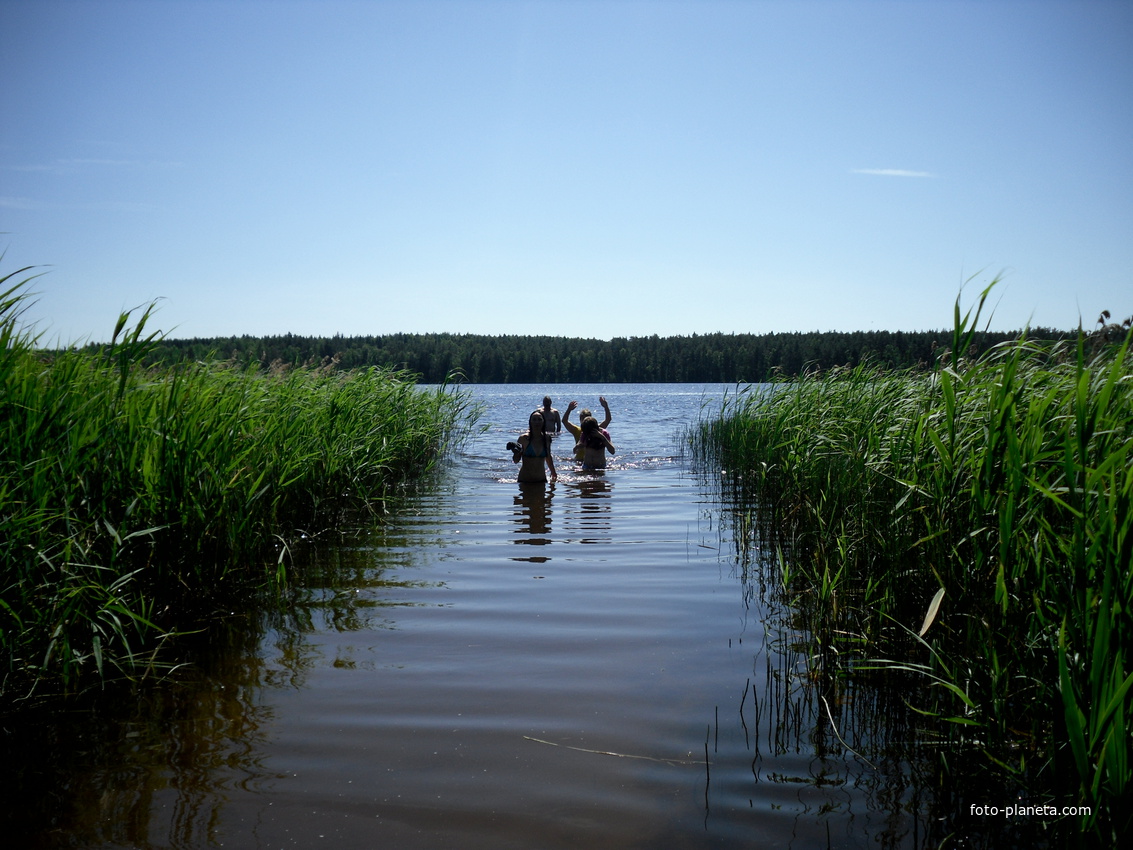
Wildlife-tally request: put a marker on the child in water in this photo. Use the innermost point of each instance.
(595, 444)
(576, 431)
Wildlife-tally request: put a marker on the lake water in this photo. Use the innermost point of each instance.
(581, 665)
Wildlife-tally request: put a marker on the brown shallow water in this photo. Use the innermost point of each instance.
(573, 666)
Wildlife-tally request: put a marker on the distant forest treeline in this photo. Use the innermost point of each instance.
(724, 358)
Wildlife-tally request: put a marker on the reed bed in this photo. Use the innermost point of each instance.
(974, 526)
(134, 499)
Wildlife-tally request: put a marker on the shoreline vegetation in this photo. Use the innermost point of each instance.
(136, 498)
(951, 511)
(968, 529)
(480, 359)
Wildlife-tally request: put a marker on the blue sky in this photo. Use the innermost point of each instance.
(593, 169)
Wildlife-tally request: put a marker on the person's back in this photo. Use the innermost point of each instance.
(594, 444)
(576, 430)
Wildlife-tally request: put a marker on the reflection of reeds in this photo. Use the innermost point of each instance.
(131, 764)
(132, 496)
(1005, 481)
(849, 736)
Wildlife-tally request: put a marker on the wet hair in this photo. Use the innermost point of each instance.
(546, 401)
(591, 433)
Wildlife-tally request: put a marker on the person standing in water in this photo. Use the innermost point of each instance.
(576, 430)
(533, 452)
(552, 422)
(595, 445)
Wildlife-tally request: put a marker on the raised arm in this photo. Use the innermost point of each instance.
(606, 407)
(570, 426)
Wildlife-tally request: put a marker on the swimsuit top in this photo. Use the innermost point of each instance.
(530, 450)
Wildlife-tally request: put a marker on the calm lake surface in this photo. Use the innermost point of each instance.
(583, 665)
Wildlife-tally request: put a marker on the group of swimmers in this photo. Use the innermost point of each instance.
(533, 449)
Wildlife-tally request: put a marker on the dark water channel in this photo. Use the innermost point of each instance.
(578, 666)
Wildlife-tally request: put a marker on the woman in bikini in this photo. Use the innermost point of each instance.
(533, 451)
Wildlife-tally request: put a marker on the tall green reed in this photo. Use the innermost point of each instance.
(974, 525)
(134, 498)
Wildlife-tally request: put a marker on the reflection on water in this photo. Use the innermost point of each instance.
(153, 765)
(416, 688)
(141, 766)
(533, 518)
(584, 516)
(834, 758)
(590, 517)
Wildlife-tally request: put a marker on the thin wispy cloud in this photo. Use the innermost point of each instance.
(122, 163)
(19, 204)
(34, 168)
(13, 203)
(69, 166)
(892, 172)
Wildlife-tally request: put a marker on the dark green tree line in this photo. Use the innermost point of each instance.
(475, 358)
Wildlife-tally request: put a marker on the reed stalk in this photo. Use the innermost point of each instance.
(132, 499)
(974, 525)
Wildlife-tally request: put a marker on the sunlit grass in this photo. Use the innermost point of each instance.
(974, 525)
(131, 498)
